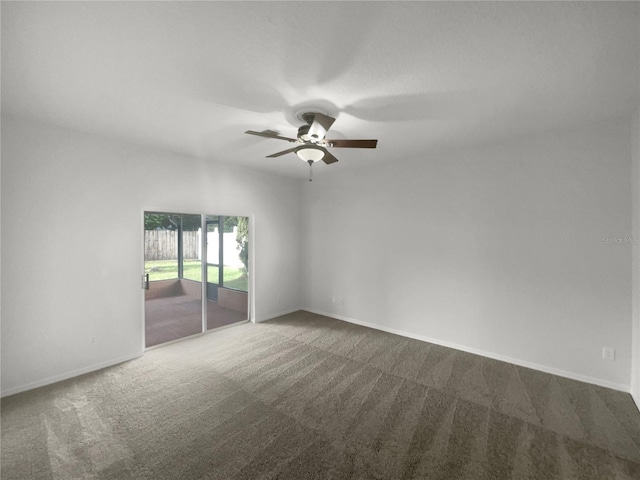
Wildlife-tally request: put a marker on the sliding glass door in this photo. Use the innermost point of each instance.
(177, 257)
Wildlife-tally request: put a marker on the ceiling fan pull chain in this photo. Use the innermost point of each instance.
(310, 170)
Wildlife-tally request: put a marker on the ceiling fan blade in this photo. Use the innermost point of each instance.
(284, 152)
(328, 158)
(321, 123)
(353, 143)
(270, 134)
(324, 120)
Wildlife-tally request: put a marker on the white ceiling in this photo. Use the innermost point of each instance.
(191, 77)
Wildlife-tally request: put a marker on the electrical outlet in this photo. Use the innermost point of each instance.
(92, 339)
(608, 353)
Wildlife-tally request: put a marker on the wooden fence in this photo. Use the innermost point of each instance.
(163, 244)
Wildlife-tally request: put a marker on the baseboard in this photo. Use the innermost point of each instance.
(483, 353)
(98, 366)
(275, 315)
(68, 375)
(636, 399)
(424, 338)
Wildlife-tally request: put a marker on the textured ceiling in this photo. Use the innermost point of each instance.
(191, 77)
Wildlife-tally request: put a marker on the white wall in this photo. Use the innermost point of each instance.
(72, 243)
(635, 142)
(504, 249)
(504, 246)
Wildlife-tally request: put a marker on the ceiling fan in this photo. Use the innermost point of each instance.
(311, 144)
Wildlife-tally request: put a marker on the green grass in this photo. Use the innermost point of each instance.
(168, 269)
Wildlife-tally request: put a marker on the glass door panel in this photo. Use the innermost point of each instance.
(227, 270)
(173, 266)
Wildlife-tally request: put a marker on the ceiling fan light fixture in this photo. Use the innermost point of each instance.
(310, 153)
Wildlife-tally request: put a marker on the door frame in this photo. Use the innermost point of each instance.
(251, 316)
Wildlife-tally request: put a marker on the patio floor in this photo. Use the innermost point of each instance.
(171, 318)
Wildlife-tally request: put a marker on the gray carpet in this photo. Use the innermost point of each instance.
(307, 397)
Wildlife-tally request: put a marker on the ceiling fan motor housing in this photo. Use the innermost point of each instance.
(308, 117)
(303, 131)
(303, 134)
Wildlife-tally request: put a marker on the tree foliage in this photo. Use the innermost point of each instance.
(229, 223)
(170, 221)
(242, 238)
